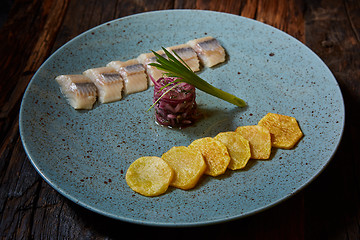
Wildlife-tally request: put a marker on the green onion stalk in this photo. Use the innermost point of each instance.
(181, 72)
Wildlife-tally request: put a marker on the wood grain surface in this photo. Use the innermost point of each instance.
(329, 208)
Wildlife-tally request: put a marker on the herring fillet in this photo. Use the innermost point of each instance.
(79, 91)
(209, 50)
(147, 58)
(108, 82)
(133, 73)
(187, 54)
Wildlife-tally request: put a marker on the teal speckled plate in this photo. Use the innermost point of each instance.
(85, 154)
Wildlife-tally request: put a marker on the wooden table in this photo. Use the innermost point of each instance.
(329, 208)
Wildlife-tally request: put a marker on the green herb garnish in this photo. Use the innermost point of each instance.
(174, 68)
(163, 95)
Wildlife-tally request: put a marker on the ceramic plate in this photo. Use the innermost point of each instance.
(85, 154)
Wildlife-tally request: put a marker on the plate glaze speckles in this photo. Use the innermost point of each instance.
(85, 154)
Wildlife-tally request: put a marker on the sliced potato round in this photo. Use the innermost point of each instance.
(215, 154)
(149, 176)
(285, 131)
(259, 139)
(188, 165)
(238, 147)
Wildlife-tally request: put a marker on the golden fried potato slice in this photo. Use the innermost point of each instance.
(259, 139)
(188, 165)
(285, 131)
(215, 154)
(238, 147)
(149, 176)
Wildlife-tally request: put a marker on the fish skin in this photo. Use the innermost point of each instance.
(108, 82)
(145, 59)
(209, 50)
(133, 73)
(186, 53)
(84, 89)
(110, 78)
(79, 91)
(134, 69)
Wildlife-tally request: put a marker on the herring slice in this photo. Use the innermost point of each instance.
(133, 73)
(209, 50)
(108, 82)
(80, 91)
(147, 58)
(187, 54)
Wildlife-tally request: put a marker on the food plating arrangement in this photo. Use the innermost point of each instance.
(171, 72)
